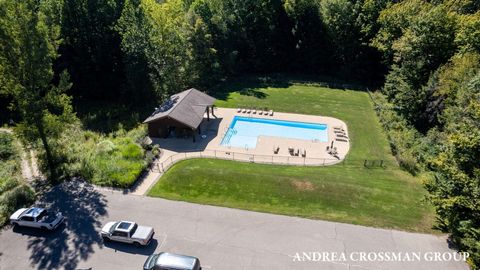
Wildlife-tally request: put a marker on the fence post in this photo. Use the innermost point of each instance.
(304, 161)
(233, 155)
(288, 160)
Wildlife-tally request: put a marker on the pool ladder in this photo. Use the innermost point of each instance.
(228, 135)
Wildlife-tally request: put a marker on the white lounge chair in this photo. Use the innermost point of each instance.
(244, 110)
(270, 112)
(248, 110)
(260, 112)
(239, 110)
(254, 111)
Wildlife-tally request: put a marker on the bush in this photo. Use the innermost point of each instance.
(7, 150)
(132, 151)
(18, 197)
(14, 193)
(403, 138)
(115, 161)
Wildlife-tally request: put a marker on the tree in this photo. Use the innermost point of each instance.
(312, 49)
(468, 35)
(134, 28)
(350, 26)
(30, 39)
(417, 47)
(455, 191)
(91, 48)
(205, 66)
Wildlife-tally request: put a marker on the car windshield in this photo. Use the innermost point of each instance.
(113, 227)
(42, 215)
(134, 228)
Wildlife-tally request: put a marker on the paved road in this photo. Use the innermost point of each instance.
(222, 238)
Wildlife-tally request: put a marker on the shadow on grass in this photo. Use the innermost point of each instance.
(74, 241)
(248, 85)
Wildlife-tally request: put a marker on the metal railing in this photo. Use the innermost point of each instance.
(245, 157)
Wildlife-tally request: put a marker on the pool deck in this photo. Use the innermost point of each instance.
(266, 144)
(208, 144)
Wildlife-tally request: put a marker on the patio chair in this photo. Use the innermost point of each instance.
(291, 151)
(270, 112)
(297, 152)
(254, 111)
(239, 110)
(260, 112)
(244, 110)
(248, 110)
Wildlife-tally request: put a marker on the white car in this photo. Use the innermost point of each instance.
(127, 232)
(36, 218)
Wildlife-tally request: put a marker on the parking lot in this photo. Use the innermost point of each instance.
(221, 238)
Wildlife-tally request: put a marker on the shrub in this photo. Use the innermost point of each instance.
(137, 134)
(156, 150)
(132, 151)
(105, 147)
(113, 160)
(403, 138)
(14, 193)
(7, 150)
(20, 196)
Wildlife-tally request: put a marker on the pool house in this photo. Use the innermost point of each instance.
(181, 115)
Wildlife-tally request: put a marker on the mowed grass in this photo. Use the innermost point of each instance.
(380, 197)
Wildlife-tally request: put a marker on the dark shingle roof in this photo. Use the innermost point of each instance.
(187, 107)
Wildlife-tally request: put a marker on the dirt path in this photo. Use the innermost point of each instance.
(28, 163)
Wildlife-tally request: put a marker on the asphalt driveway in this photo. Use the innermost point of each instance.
(222, 238)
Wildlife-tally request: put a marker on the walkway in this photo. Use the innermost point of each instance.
(28, 163)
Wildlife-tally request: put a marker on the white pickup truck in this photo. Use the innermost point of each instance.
(127, 232)
(37, 218)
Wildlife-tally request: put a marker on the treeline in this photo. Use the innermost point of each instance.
(140, 49)
(426, 54)
(432, 106)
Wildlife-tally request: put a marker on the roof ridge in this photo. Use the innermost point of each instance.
(176, 106)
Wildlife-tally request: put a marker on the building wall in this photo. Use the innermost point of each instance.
(159, 128)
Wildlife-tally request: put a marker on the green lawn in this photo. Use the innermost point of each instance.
(389, 198)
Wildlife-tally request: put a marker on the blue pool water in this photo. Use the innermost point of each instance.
(244, 131)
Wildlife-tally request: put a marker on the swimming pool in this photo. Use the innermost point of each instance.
(244, 131)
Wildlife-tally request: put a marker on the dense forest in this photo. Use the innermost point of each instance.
(58, 57)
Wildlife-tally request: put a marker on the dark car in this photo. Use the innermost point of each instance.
(170, 261)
